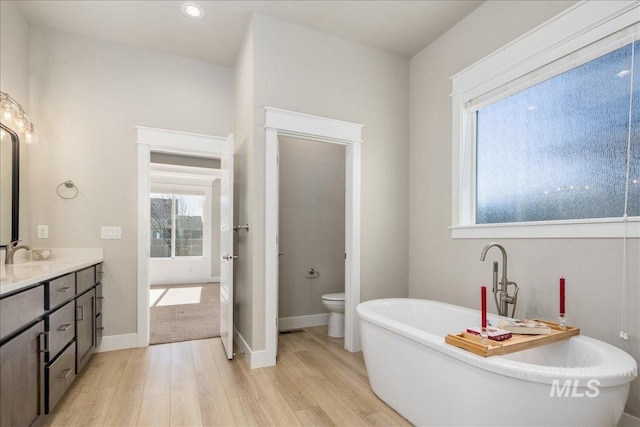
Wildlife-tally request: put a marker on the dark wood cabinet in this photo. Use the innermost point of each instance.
(85, 328)
(49, 332)
(22, 378)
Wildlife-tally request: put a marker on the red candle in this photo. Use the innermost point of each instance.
(562, 296)
(483, 294)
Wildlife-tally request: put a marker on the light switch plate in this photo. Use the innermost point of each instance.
(43, 232)
(111, 233)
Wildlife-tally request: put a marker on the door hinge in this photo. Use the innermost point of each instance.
(345, 255)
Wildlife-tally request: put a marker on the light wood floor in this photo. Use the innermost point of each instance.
(191, 383)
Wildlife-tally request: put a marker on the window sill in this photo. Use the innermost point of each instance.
(596, 229)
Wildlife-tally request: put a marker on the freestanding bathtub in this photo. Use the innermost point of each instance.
(577, 382)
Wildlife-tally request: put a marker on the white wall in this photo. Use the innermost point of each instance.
(312, 224)
(450, 270)
(14, 80)
(88, 96)
(243, 189)
(298, 69)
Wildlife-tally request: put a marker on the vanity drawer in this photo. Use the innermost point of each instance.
(62, 328)
(20, 309)
(99, 273)
(99, 298)
(99, 329)
(60, 290)
(85, 279)
(59, 376)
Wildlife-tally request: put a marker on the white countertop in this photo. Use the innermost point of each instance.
(24, 274)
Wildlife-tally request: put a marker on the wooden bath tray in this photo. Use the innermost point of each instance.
(517, 342)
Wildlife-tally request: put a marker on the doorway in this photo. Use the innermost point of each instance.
(311, 231)
(304, 126)
(197, 146)
(184, 266)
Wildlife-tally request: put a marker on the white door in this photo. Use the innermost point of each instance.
(226, 248)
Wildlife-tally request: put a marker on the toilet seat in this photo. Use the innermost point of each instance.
(333, 297)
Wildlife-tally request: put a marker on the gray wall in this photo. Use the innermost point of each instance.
(449, 270)
(298, 69)
(14, 80)
(87, 98)
(312, 224)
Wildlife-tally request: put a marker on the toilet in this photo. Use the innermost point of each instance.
(334, 303)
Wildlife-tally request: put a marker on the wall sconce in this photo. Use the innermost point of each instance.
(13, 116)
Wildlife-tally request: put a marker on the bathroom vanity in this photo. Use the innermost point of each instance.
(50, 326)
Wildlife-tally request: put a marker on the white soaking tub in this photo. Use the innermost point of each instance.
(576, 382)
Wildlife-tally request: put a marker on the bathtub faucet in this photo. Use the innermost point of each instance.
(501, 295)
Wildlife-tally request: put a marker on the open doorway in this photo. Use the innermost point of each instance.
(280, 123)
(184, 248)
(311, 278)
(150, 141)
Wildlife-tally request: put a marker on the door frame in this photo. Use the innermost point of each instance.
(161, 141)
(280, 122)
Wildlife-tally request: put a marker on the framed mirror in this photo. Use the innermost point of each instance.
(9, 185)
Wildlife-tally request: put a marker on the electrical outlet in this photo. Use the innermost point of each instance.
(43, 232)
(111, 233)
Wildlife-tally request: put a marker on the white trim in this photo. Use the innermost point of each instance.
(144, 233)
(299, 322)
(314, 127)
(255, 359)
(176, 142)
(627, 420)
(577, 27)
(118, 342)
(167, 141)
(588, 228)
(290, 123)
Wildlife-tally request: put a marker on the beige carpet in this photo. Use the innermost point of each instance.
(184, 312)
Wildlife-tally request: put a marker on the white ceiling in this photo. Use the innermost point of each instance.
(400, 27)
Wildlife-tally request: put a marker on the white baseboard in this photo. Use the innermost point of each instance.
(627, 420)
(299, 322)
(118, 342)
(255, 359)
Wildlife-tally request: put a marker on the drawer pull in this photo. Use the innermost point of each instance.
(80, 316)
(65, 289)
(68, 371)
(47, 342)
(101, 328)
(100, 298)
(64, 327)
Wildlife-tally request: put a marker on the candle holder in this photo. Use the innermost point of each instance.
(562, 322)
(484, 334)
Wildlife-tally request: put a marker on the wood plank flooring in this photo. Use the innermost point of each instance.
(315, 383)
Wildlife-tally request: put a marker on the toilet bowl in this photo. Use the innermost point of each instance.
(334, 303)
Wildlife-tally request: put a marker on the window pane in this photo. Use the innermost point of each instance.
(160, 226)
(189, 213)
(558, 150)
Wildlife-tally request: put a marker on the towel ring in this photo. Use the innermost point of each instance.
(68, 184)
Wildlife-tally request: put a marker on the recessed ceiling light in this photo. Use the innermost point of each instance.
(192, 10)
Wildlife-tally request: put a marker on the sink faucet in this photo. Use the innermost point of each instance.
(502, 301)
(12, 249)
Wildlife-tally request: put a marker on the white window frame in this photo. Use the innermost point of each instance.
(572, 30)
(177, 189)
